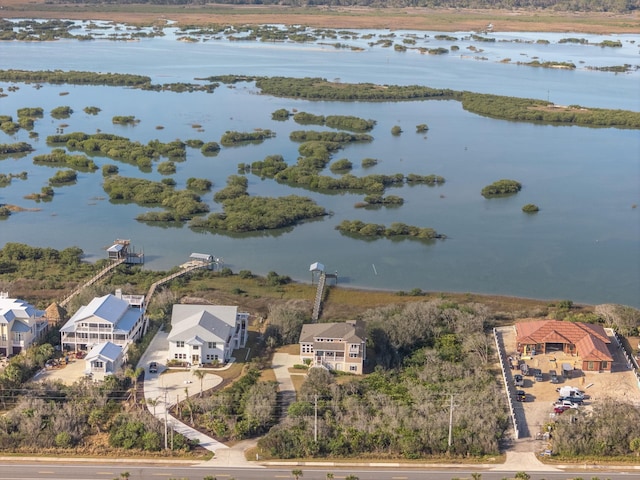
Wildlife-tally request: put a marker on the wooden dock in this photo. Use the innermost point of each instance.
(101, 274)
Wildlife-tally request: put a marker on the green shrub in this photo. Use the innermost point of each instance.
(530, 208)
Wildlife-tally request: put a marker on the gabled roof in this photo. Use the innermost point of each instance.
(106, 351)
(12, 308)
(202, 323)
(108, 308)
(19, 327)
(349, 332)
(590, 339)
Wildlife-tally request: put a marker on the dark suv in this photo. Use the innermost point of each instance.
(521, 396)
(553, 376)
(153, 367)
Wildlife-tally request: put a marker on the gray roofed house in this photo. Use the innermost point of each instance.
(104, 359)
(118, 318)
(21, 324)
(338, 346)
(206, 334)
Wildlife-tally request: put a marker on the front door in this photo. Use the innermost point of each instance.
(195, 359)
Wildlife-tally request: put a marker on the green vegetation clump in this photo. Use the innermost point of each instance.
(20, 147)
(62, 177)
(125, 120)
(422, 128)
(4, 213)
(530, 208)
(61, 112)
(396, 229)
(341, 166)
(91, 110)
(396, 130)
(369, 162)
(210, 148)
(250, 214)
(281, 114)
(194, 143)
(58, 157)
(379, 200)
(199, 184)
(109, 169)
(120, 148)
(167, 168)
(45, 195)
(501, 187)
(182, 203)
(231, 138)
(415, 179)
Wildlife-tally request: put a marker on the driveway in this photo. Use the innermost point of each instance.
(168, 387)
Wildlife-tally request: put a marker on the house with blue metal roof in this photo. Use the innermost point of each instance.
(103, 360)
(21, 324)
(119, 319)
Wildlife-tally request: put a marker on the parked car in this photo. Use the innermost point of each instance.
(153, 367)
(518, 380)
(521, 396)
(538, 376)
(560, 409)
(574, 400)
(554, 376)
(524, 368)
(564, 403)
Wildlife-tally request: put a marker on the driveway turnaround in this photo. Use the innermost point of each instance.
(165, 388)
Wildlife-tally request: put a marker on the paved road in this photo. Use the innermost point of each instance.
(138, 471)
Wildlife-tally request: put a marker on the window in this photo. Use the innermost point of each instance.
(180, 344)
(590, 366)
(604, 365)
(196, 347)
(307, 348)
(212, 345)
(180, 356)
(98, 365)
(353, 368)
(353, 355)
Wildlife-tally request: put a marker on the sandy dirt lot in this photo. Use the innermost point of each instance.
(538, 409)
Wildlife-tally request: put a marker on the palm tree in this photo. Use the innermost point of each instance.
(297, 473)
(133, 375)
(200, 374)
(153, 402)
(329, 476)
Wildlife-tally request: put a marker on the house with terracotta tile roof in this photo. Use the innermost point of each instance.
(587, 341)
(340, 346)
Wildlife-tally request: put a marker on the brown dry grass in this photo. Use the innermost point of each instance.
(449, 20)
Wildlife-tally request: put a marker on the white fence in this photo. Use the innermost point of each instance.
(519, 426)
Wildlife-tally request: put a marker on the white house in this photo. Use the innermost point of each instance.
(104, 359)
(118, 318)
(203, 334)
(21, 324)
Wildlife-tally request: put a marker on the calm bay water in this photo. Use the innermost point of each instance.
(582, 245)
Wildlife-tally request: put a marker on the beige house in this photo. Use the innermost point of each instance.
(20, 325)
(336, 346)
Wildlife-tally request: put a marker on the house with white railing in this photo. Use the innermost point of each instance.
(206, 334)
(338, 346)
(21, 324)
(119, 319)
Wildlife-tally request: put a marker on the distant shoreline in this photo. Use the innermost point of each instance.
(425, 19)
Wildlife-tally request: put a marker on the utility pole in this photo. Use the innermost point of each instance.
(315, 420)
(165, 419)
(451, 422)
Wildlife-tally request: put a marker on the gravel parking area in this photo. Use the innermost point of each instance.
(538, 408)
